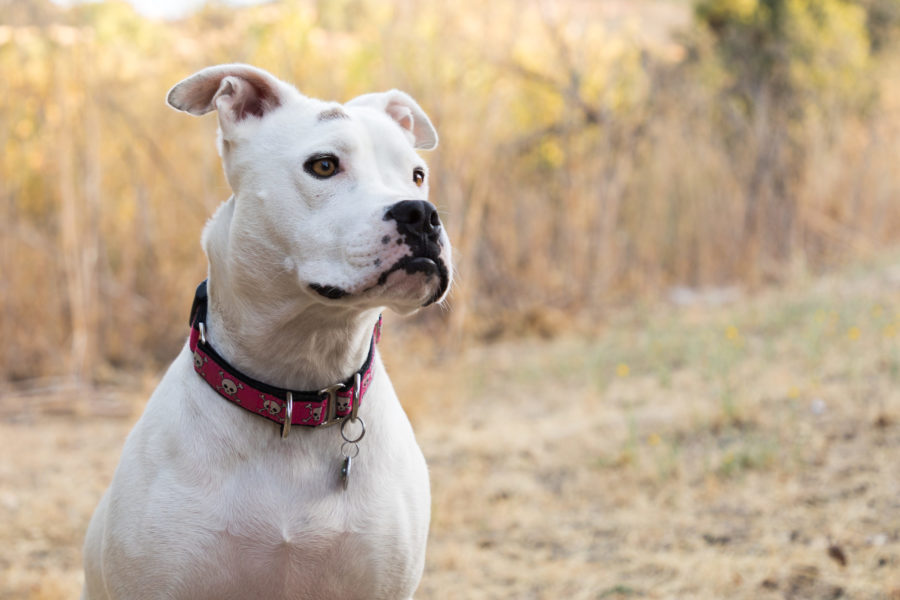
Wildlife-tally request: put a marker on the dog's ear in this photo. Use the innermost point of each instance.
(237, 91)
(404, 110)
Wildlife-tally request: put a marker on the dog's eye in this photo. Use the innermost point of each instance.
(419, 176)
(322, 167)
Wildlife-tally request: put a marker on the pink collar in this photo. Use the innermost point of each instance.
(285, 407)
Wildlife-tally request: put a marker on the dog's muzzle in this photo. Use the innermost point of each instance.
(420, 227)
(420, 230)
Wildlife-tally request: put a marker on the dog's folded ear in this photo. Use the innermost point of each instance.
(404, 110)
(235, 90)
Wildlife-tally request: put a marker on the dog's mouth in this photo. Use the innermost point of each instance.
(332, 292)
(428, 266)
(411, 265)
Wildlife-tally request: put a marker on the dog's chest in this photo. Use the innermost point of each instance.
(284, 526)
(253, 539)
(287, 555)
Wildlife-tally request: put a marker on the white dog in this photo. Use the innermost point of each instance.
(230, 484)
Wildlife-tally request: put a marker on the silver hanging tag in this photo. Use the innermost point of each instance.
(349, 450)
(345, 471)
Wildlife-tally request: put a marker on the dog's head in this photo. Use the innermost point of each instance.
(335, 195)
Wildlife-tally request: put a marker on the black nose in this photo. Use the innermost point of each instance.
(417, 217)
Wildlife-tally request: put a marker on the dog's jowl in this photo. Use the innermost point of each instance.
(274, 459)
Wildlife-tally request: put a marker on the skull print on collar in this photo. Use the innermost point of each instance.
(285, 407)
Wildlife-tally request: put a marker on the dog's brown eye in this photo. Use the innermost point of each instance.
(322, 167)
(419, 177)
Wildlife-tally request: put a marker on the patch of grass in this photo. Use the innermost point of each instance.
(748, 454)
(666, 454)
(619, 591)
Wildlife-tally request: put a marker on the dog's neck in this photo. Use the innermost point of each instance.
(269, 333)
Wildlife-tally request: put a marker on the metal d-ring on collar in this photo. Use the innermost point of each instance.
(357, 385)
(288, 414)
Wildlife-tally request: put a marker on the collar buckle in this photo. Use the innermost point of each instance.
(288, 415)
(331, 417)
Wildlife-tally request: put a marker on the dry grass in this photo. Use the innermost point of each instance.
(735, 452)
(591, 150)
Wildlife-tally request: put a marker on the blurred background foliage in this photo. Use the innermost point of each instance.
(592, 153)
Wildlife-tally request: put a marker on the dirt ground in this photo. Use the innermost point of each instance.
(742, 451)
